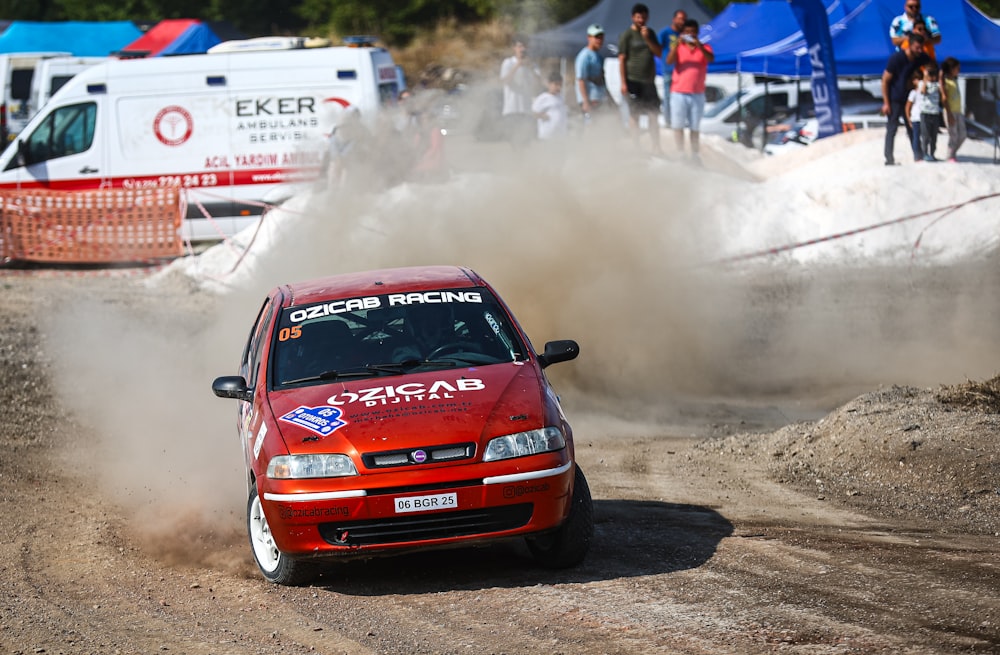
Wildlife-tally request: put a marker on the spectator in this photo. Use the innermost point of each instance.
(638, 49)
(668, 37)
(912, 115)
(589, 70)
(690, 59)
(403, 116)
(521, 80)
(550, 110)
(921, 29)
(421, 144)
(930, 110)
(895, 90)
(349, 149)
(953, 107)
(902, 25)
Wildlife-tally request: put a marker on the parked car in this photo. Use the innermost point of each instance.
(747, 115)
(17, 106)
(804, 132)
(396, 410)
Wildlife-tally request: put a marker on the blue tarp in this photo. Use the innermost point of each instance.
(861, 41)
(80, 38)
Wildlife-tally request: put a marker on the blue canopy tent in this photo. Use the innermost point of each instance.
(179, 36)
(742, 27)
(79, 38)
(195, 39)
(861, 41)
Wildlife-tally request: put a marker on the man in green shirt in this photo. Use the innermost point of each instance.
(638, 49)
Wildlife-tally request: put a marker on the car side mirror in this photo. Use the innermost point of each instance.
(559, 351)
(232, 386)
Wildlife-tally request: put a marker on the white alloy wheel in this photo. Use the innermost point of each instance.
(264, 550)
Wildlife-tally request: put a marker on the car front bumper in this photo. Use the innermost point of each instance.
(363, 521)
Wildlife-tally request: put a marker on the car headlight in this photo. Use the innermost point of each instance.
(287, 467)
(520, 444)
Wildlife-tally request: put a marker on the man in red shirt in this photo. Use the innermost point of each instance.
(690, 59)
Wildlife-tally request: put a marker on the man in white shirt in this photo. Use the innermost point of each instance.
(902, 25)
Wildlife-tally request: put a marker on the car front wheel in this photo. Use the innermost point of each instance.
(568, 544)
(275, 565)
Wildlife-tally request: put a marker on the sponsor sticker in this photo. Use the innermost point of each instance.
(518, 490)
(260, 440)
(322, 420)
(289, 512)
(377, 302)
(407, 393)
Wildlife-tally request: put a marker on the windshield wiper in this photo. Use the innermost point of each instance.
(407, 364)
(330, 375)
(395, 368)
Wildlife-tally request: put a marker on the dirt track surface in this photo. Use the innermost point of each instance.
(874, 530)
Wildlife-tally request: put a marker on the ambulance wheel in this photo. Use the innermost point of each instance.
(273, 564)
(567, 545)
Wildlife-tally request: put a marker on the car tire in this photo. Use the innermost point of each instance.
(276, 566)
(568, 544)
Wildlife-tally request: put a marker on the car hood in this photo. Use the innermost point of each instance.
(412, 411)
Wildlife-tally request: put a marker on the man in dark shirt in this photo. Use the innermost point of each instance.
(638, 49)
(895, 89)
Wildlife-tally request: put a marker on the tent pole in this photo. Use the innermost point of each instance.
(739, 100)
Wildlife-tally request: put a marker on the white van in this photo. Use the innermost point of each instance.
(53, 73)
(229, 128)
(17, 69)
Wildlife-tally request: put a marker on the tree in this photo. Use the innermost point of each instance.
(393, 21)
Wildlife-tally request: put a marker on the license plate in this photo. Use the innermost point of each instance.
(426, 503)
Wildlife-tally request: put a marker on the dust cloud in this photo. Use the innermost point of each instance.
(587, 240)
(592, 241)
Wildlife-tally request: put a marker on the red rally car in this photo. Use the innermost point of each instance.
(396, 410)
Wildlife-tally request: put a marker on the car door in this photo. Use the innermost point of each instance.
(65, 150)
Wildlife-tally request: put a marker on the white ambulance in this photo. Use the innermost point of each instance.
(230, 128)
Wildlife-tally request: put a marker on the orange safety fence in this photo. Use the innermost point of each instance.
(93, 227)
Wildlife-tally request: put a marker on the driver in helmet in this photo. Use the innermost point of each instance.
(426, 328)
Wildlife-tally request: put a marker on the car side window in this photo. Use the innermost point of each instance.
(66, 131)
(255, 344)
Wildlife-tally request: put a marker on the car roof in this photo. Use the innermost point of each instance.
(379, 282)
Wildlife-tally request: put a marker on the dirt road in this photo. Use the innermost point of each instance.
(707, 541)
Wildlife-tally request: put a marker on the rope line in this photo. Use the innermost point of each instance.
(949, 209)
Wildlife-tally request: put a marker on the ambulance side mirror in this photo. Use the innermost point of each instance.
(23, 153)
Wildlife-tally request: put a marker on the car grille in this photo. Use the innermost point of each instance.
(416, 456)
(442, 525)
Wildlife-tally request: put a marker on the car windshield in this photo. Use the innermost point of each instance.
(392, 334)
